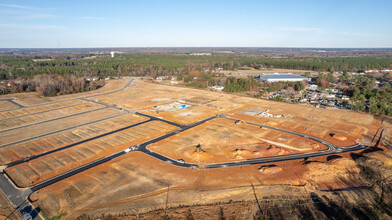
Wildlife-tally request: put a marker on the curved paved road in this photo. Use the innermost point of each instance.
(332, 149)
(16, 194)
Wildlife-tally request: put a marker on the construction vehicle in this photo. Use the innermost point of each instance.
(239, 122)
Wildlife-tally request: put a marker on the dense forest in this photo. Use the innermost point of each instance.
(154, 64)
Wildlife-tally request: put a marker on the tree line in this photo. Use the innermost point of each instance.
(156, 64)
(51, 85)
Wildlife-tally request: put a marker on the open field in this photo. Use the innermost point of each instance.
(254, 72)
(41, 143)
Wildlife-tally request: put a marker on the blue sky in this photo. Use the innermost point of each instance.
(181, 23)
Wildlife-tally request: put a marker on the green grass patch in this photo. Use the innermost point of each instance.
(57, 217)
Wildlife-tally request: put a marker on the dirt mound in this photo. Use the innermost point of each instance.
(247, 154)
(273, 150)
(384, 156)
(270, 170)
(243, 153)
(316, 146)
(199, 155)
(340, 137)
(386, 136)
(332, 170)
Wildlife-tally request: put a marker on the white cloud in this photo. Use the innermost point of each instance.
(15, 6)
(361, 34)
(93, 18)
(30, 27)
(9, 12)
(37, 16)
(22, 6)
(300, 29)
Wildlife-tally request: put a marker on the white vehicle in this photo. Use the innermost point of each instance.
(127, 150)
(181, 161)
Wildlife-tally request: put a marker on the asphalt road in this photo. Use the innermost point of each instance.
(283, 158)
(19, 196)
(106, 93)
(328, 144)
(61, 130)
(14, 163)
(75, 171)
(332, 149)
(141, 147)
(54, 119)
(37, 113)
(11, 100)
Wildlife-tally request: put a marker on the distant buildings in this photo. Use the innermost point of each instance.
(201, 54)
(287, 77)
(217, 87)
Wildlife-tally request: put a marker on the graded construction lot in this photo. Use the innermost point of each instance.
(38, 109)
(348, 126)
(46, 167)
(5, 105)
(133, 146)
(25, 133)
(49, 115)
(34, 99)
(66, 138)
(222, 140)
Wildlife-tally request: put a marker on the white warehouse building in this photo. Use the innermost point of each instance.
(287, 77)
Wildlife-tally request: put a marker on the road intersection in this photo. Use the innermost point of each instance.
(19, 197)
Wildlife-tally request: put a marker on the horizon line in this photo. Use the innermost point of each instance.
(212, 47)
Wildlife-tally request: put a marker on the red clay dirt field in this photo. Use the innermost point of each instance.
(138, 149)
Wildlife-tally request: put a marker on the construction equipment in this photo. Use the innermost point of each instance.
(239, 122)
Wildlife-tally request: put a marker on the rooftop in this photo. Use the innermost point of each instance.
(282, 76)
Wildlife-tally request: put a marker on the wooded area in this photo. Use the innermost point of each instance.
(66, 74)
(51, 85)
(157, 64)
